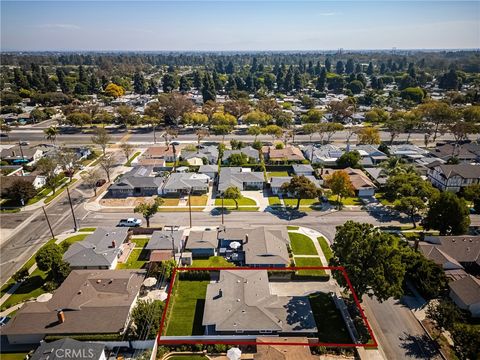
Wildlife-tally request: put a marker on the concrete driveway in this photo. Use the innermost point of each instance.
(257, 195)
(301, 288)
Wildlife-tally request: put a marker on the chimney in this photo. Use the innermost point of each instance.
(220, 293)
(61, 316)
(114, 244)
(13, 153)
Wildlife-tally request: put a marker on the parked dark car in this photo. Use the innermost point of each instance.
(101, 182)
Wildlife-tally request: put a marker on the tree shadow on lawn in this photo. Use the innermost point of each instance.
(287, 213)
(419, 346)
(197, 327)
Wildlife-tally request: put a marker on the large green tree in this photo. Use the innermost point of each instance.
(146, 316)
(300, 187)
(148, 209)
(448, 214)
(233, 193)
(371, 259)
(20, 191)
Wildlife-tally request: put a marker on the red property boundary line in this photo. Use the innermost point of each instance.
(372, 344)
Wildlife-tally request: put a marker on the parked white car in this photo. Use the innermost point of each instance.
(130, 222)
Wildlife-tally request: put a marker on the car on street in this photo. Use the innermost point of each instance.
(100, 182)
(130, 222)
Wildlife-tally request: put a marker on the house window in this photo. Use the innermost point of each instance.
(239, 331)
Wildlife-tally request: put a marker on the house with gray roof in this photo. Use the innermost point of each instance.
(303, 169)
(203, 152)
(99, 250)
(408, 152)
(369, 155)
(166, 240)
(69, 349)
(88, 302)
(326, 155)
(249, 151)
(259, 247)
(183, 183)
(465, 292)
(137, 182)
(240, 302)
(242, 178)
(202, 243)
(210, 170)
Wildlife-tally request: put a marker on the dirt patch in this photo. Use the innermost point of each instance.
(130, 201)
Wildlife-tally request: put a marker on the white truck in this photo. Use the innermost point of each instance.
(130, 222)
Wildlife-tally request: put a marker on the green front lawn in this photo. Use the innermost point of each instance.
(87, 229)
(188, 357)
(72, 239)
(290, 227)
(59, 191)
(330, 324)
(382, 200)
(345, 201)
(303, 202)
(302, 261)
(187, 306)
(274, 200)
(244, 201)
(198, 200)
(129, 162)
(31, 288)
(327, 252)
(170, 201)
(136, 260)
(212, 261)
(301, 244)
(277, 174)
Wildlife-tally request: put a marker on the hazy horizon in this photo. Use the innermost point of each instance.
(238, 26)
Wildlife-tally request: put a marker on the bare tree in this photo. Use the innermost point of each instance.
(101, 138)
(91, 178)
(169, 135)
(201, 134)
(107, 163)
(68, 160)
(127, 149)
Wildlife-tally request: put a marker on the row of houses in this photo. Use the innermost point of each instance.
(459, 257)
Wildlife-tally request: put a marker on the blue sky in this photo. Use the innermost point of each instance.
(238, 25)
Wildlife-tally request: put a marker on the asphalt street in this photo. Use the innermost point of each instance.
(145, 135)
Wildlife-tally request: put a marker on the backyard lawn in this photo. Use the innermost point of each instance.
(325, 248)
(301, 244)
(212, 261)
(244, 201)
(129, 162)
(187, 305)
(136, 260)
(140, 242)
(276, 174)
(330, 324)
(13, 356)
(274, 200)
(199, 200)
(303, 261)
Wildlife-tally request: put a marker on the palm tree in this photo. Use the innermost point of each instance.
(51, 133)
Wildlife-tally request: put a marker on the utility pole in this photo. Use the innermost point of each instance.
(21, 149)
(71, 208)
(222, 208)
(48, 222)
(190, 205)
